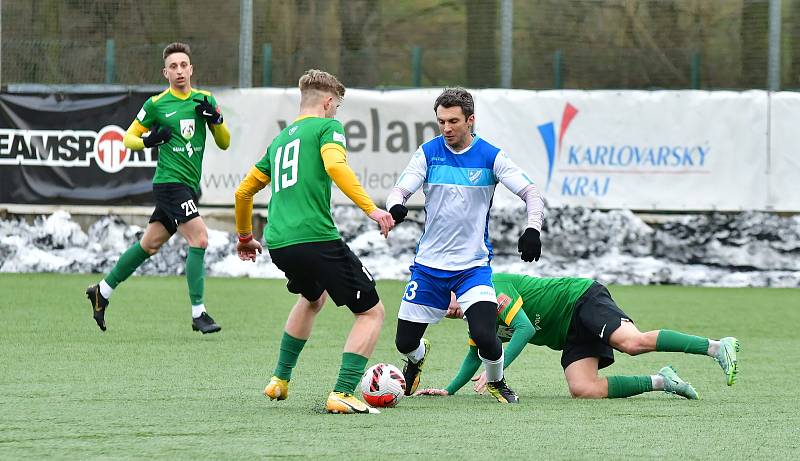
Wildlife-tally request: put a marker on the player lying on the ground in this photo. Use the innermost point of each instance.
(578, 317)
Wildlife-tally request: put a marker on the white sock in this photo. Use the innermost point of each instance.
(105, 289)
(494, 368)
(198, 310)
(713, 347)
(658, 382)
(416, 355)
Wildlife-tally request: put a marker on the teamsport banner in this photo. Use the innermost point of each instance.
(664, 150)
(67, 149)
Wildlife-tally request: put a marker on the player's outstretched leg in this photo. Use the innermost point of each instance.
(673, 384)
(726, 357)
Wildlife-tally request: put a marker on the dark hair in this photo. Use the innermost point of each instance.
(177, 47)
(458, 96)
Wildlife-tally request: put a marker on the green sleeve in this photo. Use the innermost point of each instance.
(147, 114)
(263, 164)
(523, 332)
(469, 366)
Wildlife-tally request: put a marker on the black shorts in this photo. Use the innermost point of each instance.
(327, 266)
(176, 204)
(595, 318)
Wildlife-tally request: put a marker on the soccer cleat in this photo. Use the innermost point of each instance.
(726, 357)
(412, 370)
(501, 391)
(673, 384)
(277, 389)
(205, 324)
(340, 402)
(99, 305)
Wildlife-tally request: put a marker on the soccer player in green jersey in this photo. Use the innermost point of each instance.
(578, 317)
(176, 120)
(304, 242)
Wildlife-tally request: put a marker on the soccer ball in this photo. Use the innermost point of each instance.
(383, 385)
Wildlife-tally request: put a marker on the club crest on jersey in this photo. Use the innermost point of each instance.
(474, 175)
(502, 302)
(187, 128)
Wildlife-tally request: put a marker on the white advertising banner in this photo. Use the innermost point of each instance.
(784, 155)
(663, 150)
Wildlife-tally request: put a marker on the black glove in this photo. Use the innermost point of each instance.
(207, 111)
(530, 245)
(399, 213)
(158, 135)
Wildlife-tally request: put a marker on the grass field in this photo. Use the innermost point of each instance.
(151, 388)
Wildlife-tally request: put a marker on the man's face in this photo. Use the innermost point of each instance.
(454, 126)
(178, 70)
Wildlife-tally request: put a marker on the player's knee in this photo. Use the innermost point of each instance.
(405, 343)
(150, 248)
(201, 242)
(633, 345)
(585, 390)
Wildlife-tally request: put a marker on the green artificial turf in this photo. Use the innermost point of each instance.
(149, 387)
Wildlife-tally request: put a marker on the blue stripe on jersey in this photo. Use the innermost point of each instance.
(445, 174)
(481, 154)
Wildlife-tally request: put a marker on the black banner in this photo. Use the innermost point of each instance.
(63, 148)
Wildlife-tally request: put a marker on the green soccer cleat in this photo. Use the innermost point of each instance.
(412, 370)
(673, 384)
(726, 357)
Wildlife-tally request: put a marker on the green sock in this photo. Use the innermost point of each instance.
(127, 264)
(675, 341)
(195, 274)
(350, 373)
(626, 386)
(287, 359)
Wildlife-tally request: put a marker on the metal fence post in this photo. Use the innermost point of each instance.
(110, 61)
(557, 82)
(416, 66)
(246, 44)
(266, 70)
(695, 72)
(506, 43)
(774, 63)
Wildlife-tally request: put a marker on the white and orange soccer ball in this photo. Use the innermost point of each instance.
(383, 385)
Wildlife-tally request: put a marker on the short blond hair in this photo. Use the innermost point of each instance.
(320, 80)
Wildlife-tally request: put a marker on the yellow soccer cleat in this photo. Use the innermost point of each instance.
(339, 402)
(277, 389)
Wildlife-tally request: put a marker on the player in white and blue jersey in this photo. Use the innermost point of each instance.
(458, 172)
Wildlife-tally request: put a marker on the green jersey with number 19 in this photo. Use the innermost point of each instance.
(180, 159)
(300, 207)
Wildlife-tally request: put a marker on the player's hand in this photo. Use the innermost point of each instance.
(247, 250)
(431, 391)
(399, 213)
(207, 111)
(158, 135)
(530, 245)
(384, 220)
(480, 383)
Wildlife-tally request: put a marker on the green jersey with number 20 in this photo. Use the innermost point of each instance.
(180, 159)
(300, 207)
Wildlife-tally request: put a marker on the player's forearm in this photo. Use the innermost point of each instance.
(469, 366)
(250, 185)
(346, 180)
(523, 332)
(534, 205)
(222, 136)
(133, 137)
(397, 196)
